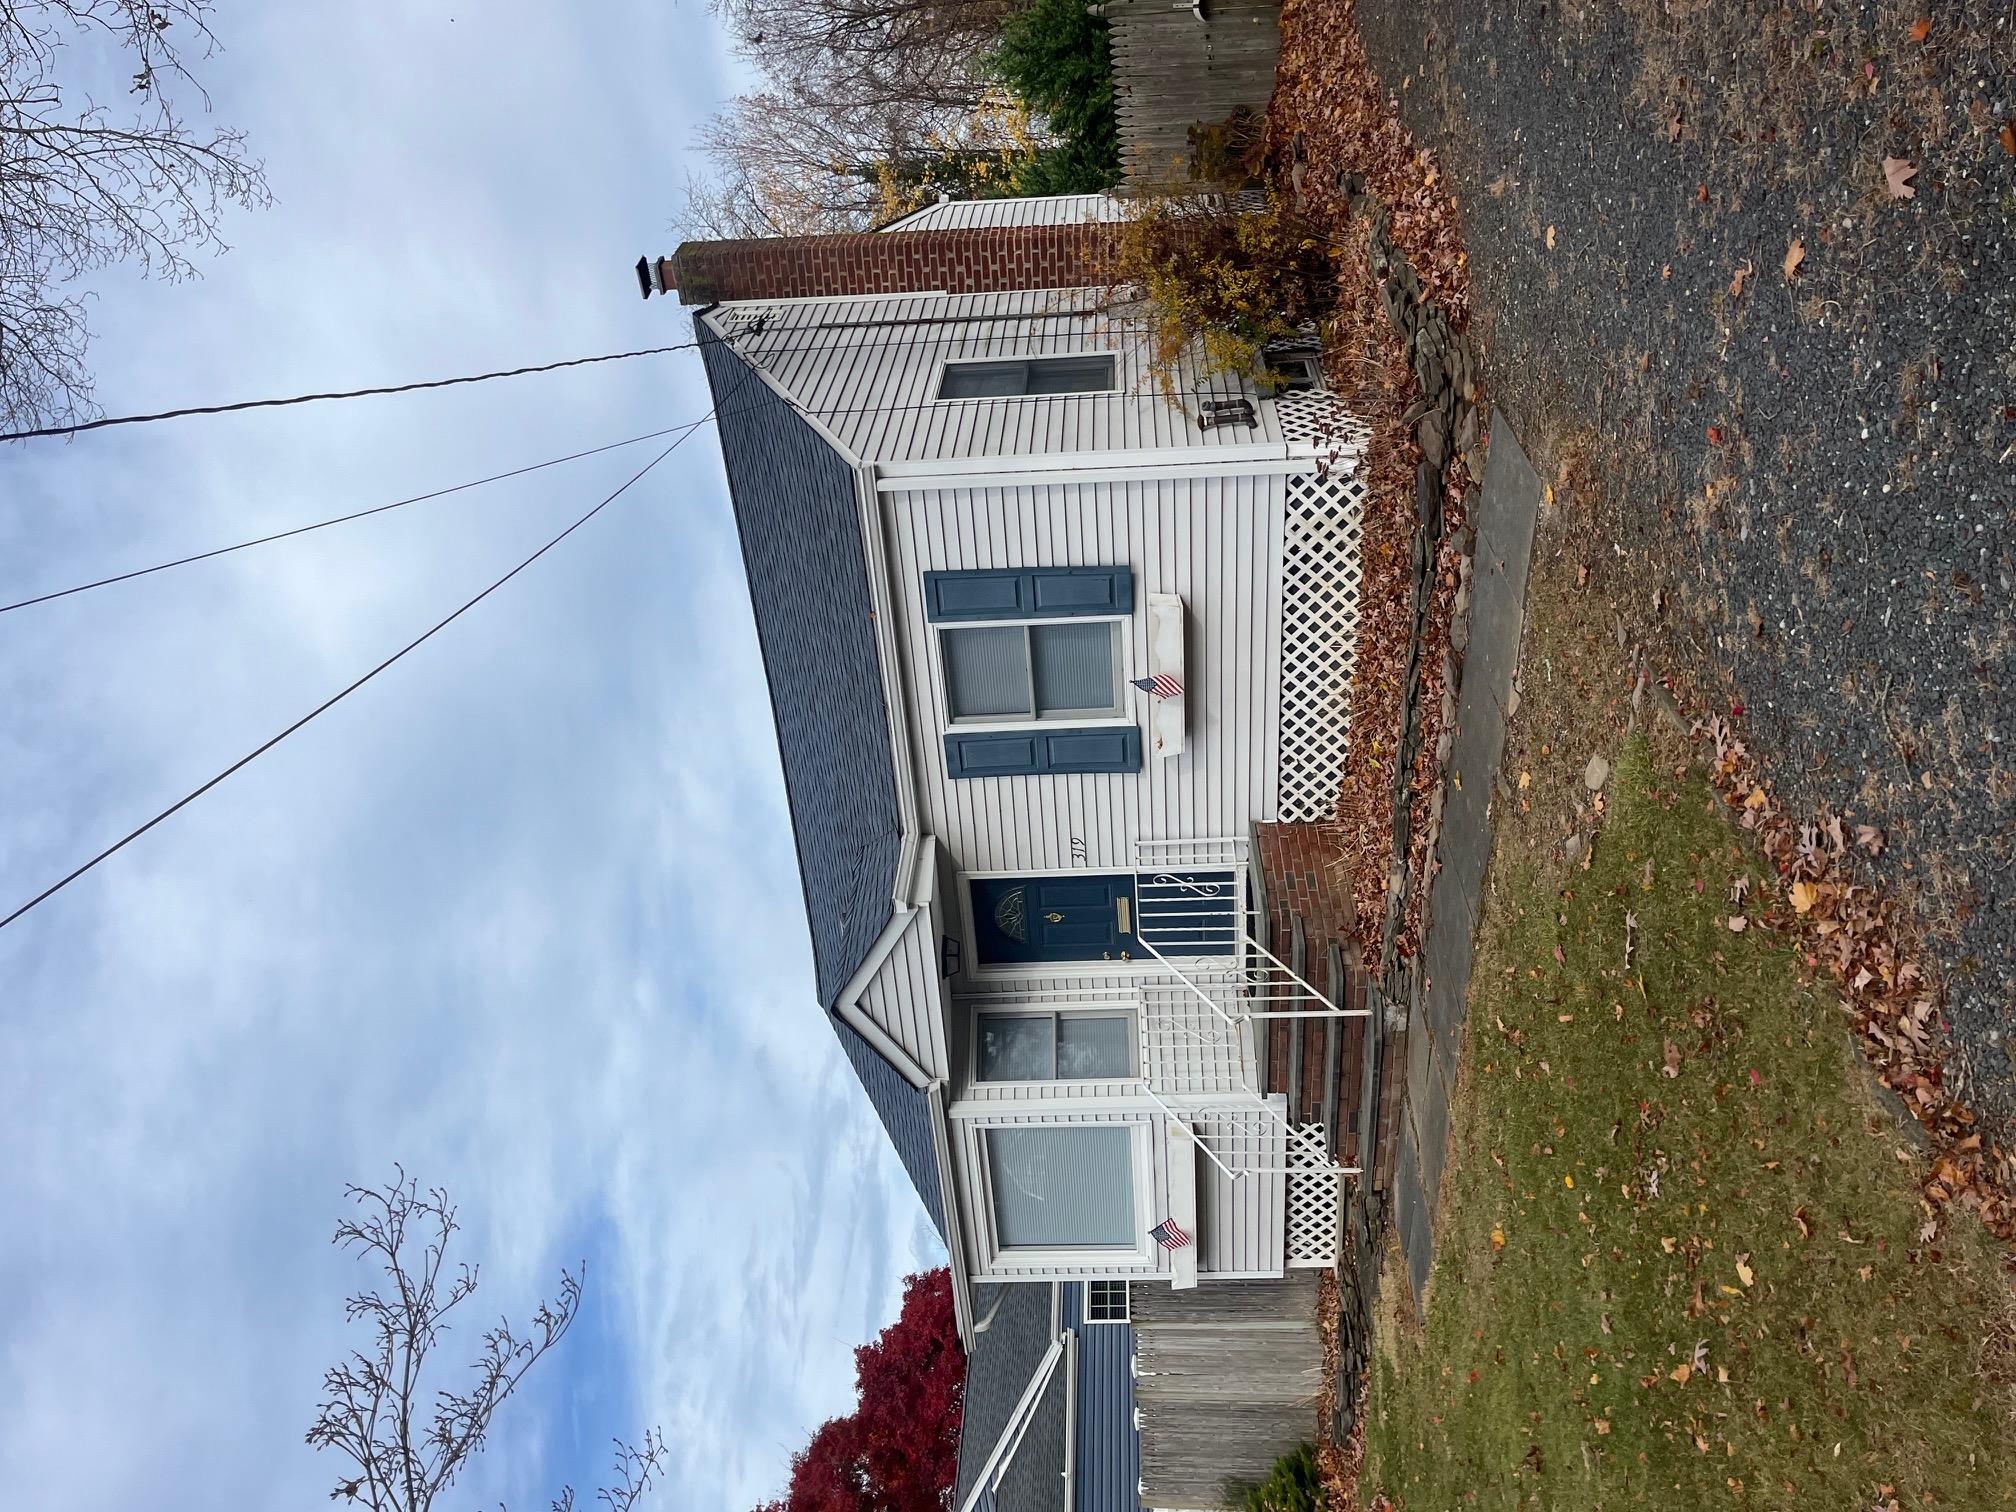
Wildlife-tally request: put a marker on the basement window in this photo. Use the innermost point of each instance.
(1028, 377)
(1106, 1302)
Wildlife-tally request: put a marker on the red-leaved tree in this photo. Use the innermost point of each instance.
(898, 1451)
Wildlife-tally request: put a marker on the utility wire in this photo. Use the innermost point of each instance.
(281, 535)
(336, 698)
(363, 393)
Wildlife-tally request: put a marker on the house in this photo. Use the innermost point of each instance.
(1060, 672)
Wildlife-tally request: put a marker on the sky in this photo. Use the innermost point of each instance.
(522, 914)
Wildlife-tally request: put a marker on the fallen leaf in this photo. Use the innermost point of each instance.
(1682, 1374)
(1602, 1425)
(1804, 895)
(1550, 238)
(1668, 1243)
(1794, 255)
(1743, 1272)
(1757, 798)
(1701, 193)
(1805, 1228)
(1497, 1238)
(1722, 1375)
(1743, 271)
(1673, 127)
(1568, 1182)
(1672, 1067)
(1921, 28)
(1729, 1291)
(2008, 137)
(1737, 923)
(1714, 435)
(1869, 837)
(1898, 173)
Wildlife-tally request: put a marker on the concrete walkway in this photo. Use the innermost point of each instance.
(1509, 504)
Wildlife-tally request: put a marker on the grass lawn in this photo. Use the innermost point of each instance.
(1681, 1258)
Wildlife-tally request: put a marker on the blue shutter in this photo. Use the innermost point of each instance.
(1036, 593)
(1040, 752)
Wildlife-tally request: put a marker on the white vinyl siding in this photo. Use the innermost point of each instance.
(1034, 210)
(868, 370)
(1216, 543)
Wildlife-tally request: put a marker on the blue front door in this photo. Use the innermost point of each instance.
(1068, 918)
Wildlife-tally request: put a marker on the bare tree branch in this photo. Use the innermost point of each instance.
(404, 1443)
(81, 188)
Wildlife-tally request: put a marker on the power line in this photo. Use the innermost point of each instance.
(363, 393)
(281, 535)
(338, 697)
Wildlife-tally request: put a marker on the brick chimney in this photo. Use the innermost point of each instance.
(970, 261)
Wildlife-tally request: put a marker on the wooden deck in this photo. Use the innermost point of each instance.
(1229, 1375)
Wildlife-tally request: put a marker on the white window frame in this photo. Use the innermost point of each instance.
(1081, 1010)
(1079, 1260)
(1115, 715)
(1111, 354)
(1126, 1299)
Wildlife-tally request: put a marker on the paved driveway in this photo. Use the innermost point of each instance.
(1804, 484)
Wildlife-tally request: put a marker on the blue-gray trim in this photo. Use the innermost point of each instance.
(905, 1113)
(984, 593)
(796, 510)
(1106, 1473)
(1036, 751)
(998, 1371)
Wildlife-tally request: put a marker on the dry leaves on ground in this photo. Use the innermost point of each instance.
(1325, 91)
(1897, 174)
(1862, 939)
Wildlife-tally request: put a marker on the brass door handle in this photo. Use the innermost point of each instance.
(1054, 918)
(1123, 910)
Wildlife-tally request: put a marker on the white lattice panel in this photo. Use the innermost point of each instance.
(1313, 1198)
(1321, 579)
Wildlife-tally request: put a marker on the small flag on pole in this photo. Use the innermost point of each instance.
(1168, 1235)
(1162, 685)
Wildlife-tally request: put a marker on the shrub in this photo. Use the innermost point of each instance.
(1221, 282)
(1058, 58)
(1295, 1484)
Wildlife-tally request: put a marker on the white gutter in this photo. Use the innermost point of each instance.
(955, 1237)
(1070, 1418)
(1145, 461)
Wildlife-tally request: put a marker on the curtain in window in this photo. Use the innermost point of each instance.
(1062, 1187)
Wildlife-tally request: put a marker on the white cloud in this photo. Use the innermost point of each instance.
(522, 913)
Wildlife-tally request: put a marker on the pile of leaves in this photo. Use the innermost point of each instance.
(1329, 116)
(1867, 945)
(1326, 92)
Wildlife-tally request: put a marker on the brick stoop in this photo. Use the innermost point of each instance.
(1303, 871)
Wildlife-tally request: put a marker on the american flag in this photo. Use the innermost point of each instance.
(1162, 685)
(1168, 1235)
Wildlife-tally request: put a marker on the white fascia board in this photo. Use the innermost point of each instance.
(889, 652)
(895, 475)
(955, 1236)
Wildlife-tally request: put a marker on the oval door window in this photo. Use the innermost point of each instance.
(1011, 917)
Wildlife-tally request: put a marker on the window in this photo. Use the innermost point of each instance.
(1066, 669)
(1027, 376)
(1055, 1046)
(1295, 372)
(1063, 1188)
(1106, 1302)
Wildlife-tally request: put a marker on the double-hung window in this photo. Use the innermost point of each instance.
(1028, 377)
(1055, 1047)
(1069, 669)
(1031, 664)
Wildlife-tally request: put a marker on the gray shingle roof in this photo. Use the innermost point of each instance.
(906, 1115)
(997, 1373)
(808, 583)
